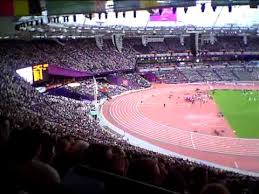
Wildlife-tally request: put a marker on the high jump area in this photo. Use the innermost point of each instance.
(164, 117)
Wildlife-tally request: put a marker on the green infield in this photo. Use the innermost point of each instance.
(241, 109)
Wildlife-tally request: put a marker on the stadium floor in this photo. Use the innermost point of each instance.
(162, 116)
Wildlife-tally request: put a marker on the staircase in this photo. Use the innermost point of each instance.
(234, 74)
(217, 74)
(204, 79)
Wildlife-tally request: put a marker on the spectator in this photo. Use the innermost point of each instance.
(215, 188)
(98, 155)
(147, 170)
(4, 130)
(175, 181)
(198, 178)
(119, 163)
(47, 152)
(23, 170)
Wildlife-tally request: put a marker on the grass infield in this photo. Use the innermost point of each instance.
(241, 109)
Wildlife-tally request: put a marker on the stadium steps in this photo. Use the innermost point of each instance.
(200, 74)
(234, 74)
(217, 74)
(180, 72)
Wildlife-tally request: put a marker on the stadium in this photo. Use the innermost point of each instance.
(148, 96)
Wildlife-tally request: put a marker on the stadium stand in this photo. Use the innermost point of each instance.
(64, 124)
(51, 142)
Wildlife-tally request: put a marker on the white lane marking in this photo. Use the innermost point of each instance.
(236, 165)
(193, 145)
(135, 113)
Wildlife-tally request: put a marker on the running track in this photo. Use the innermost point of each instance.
(128, 113)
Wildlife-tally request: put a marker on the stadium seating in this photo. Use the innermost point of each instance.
(40, 123)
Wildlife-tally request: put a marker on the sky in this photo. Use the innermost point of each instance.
(240, 16)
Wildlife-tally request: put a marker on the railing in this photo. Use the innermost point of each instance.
(114, 183)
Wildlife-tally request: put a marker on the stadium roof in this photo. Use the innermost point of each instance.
(138, 17)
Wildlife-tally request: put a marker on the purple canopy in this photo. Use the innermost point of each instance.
(60, 71)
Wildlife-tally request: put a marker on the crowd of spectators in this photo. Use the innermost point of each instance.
(227, 74)
(192, 75)
(172, 76)
(86, 56)
(207, 73)
(231, 43)
(134, 81)
(42, 137)
(242, 73)
(105, 89)
(175, 45)
(81, 55)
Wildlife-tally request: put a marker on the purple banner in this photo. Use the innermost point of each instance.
(166, 15)
(151, 77)
(60, 71)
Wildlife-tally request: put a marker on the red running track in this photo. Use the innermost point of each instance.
(142, 114)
